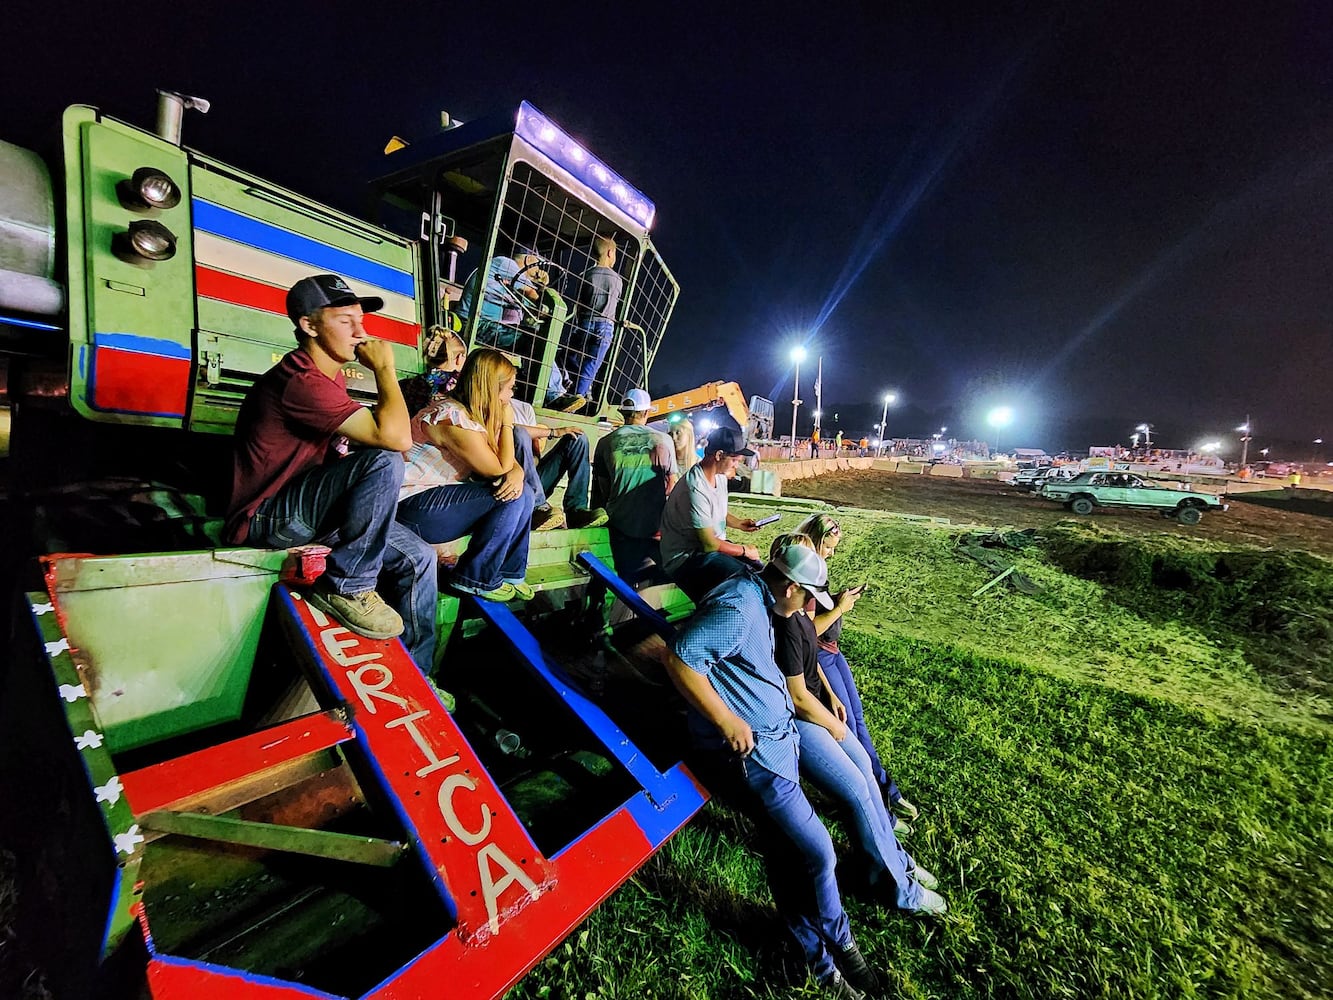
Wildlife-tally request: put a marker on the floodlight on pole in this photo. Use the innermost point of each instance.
(999, 418)
(1246, 436)
(797, 356)
(1146, 431)
(889, 397)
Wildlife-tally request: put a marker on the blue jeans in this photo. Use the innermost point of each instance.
(348, 504)
(702, 571)
(635, 558)
(586, 350)
(493, 333)
(839, 676)
(498, 548)
(568, 456)
(843, 771)
(798, 854)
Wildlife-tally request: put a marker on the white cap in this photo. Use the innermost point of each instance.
(636, 401)
(805, 566)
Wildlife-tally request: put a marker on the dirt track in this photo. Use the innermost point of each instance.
(989, 502)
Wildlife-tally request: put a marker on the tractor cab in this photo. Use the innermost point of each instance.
(508, 211)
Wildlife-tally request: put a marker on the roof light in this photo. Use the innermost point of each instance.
(548, 137)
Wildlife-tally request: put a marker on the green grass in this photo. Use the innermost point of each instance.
(1120, 797)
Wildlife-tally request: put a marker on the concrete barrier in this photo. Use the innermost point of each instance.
(947, 471)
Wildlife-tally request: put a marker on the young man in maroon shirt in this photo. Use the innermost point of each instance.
(291, 484)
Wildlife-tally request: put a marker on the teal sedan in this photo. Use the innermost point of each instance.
(1089, 490)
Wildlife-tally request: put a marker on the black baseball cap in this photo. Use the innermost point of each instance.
(321, 290)
(728, 440)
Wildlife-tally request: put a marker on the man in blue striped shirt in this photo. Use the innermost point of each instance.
(742, 719)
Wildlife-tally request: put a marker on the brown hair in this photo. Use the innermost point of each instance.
(484, 372)
(602, 244)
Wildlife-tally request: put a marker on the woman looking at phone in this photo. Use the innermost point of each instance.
(826, 534)
(835, 762)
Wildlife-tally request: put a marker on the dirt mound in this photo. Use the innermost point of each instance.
(1277, 604)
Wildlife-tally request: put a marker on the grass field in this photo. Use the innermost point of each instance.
(1125, 786)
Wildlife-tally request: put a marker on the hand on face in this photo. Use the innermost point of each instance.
(375, 354)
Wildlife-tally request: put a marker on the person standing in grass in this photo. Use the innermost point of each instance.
(826, 533)
(838, 765)
(463, 478)
(741, 720)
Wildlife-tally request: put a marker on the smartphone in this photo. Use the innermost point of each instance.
(767, 520)
(860, 588)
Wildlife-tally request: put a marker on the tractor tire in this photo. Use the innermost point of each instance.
(1188, 514)
(1081, 505)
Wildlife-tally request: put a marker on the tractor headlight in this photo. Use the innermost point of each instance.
(147, 239)
(149, 187)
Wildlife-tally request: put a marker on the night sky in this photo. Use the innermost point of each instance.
(1100, 214)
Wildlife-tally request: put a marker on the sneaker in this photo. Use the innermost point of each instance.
(904, 808)
(589, 517)
(547, 518)
(840, 988)
(901, 829)
(522, 590)
(852, 964)
(364, 613)
(448, 701)
(932, 904)
(501, 594)
(570, 402)
(924, 878)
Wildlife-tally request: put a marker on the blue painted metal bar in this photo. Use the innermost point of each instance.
(658, 785)
(627, 594)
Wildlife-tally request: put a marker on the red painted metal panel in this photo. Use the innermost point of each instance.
(178, 980)
(476, 847)
(158, 786)
(133, 382)
(584, 875)
(224, 287)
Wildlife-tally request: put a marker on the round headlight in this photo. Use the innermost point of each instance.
(149, 187)
(150, 240)
(156, 188)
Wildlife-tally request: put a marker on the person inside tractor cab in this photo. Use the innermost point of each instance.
(599, 298)
(514, 287)
(292, 483)
(499, 312)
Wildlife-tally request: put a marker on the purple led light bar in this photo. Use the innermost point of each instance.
(560, 146)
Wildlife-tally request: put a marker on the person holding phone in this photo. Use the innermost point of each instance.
(836, 763)
(696, 552)
(747, 749)
(826, 533)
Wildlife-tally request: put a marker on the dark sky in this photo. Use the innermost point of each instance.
(1101, 213)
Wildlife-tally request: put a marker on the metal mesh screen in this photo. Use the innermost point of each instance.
(645, 320)
(533, 297)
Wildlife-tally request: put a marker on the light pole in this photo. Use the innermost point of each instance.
(1146, 430)
(889, 397)
(999, 418)
(797, 356)
(1245, 439)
